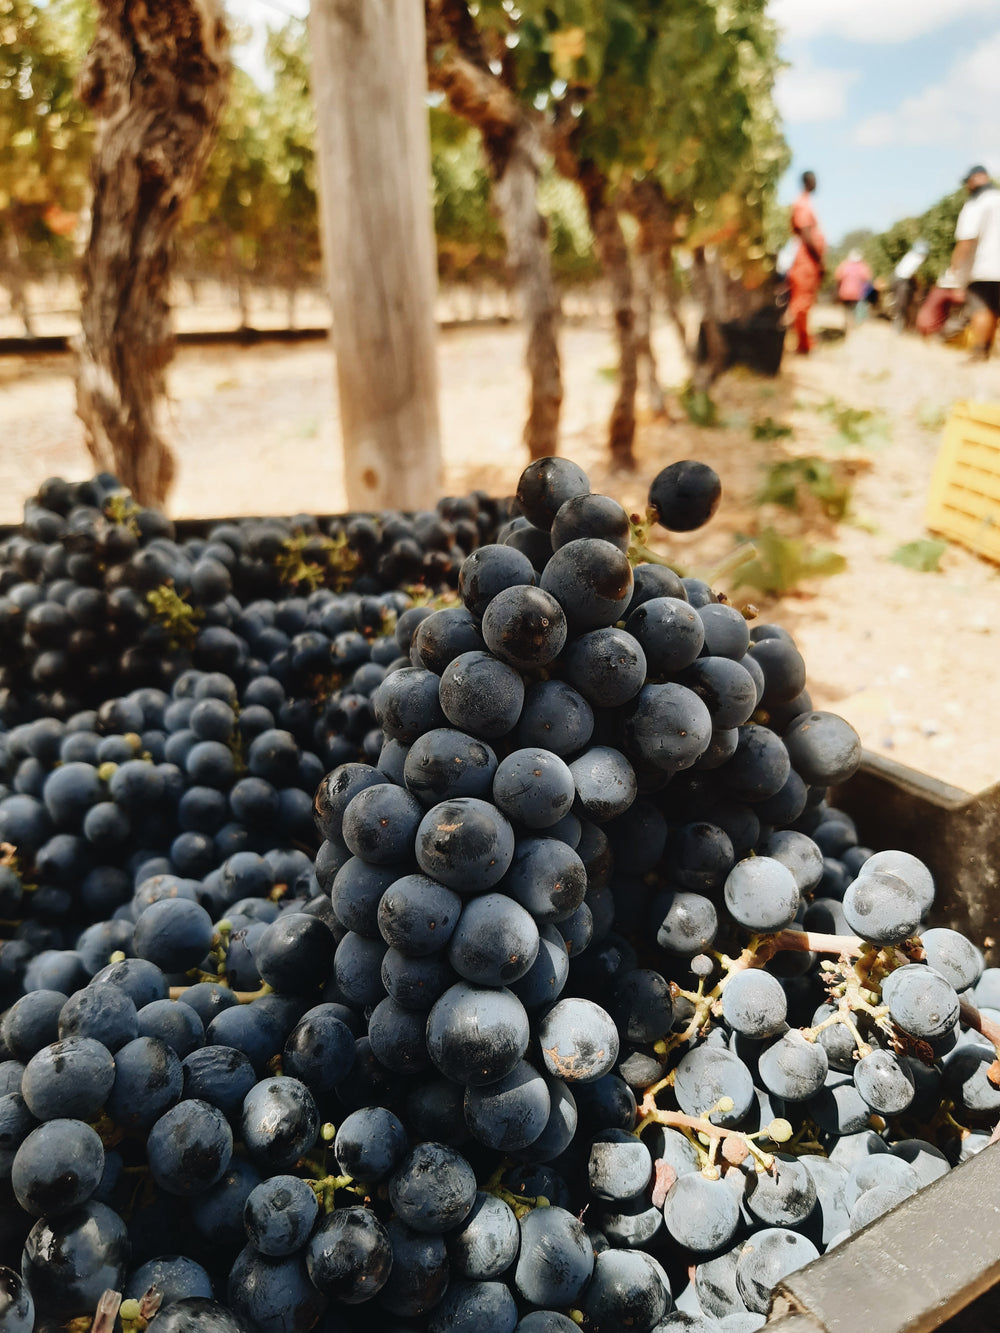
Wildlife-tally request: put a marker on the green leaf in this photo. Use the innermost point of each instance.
(769, 429)
(783, 563)
(786, 481)
(924, 555)
(699, 406)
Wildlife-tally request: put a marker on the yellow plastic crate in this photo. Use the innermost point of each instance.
(964, 500)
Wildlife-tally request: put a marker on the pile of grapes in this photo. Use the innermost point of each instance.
(376, 957)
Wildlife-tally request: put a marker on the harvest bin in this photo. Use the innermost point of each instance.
(934, 1261)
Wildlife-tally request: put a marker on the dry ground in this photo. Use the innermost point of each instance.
(911, 659)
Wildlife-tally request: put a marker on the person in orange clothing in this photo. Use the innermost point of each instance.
(807, 270)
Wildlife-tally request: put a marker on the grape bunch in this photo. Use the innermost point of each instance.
(441, 967)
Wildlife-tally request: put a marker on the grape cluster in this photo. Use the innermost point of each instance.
(98, 596)
(380, 963)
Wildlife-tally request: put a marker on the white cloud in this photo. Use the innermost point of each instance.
(961, 111)
(806, 92)
(873, 21)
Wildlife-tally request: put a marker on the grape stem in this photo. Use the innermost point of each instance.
(653, 1114)
(243, 996)
(106, 1312)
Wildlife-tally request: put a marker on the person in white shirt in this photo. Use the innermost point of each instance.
(904, 285)
(976, 258)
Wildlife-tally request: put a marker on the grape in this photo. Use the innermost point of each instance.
(406, 703)
(380, 823)
(417, 915)
(17, 1309)
(838, 1107)
(32, 1022)
(685, 495)
(548, 879)
(481, 695)
(279, 1122)
(799, 854)
(370, 1144)
(487, 1242)
(419, 1274)
(579, 1040)
(927, 1162)
(177, 1026)
(69, 1260)
(967, 1078)
(766, 1259)
(349, 1256)
(670, 633)
(433, 1189)
(642, 1007)
(783, 1196)
(476, 1035)
(876, 1201)
(605, 783)
(415, 983)
(545, 486)
(880, 907)
(628, 1289)
(70, 1079)
(792, 1067)
(469, 1306)
(441, 638)
(495, 941)
(555, 717)
(669, 727)
(619, 1165)
(754, 1004)
(920, 1001)
(911, 871)
(189, 1147)
(782, 668)
(556, 1260)
(688, 922)
(607, 666)
(761, 894)
(487, 571)
(591, 579)
(511, 1113)
(824, 749)
(884, 1081)
(534, 787)
(726, 631)
(679, 1320)
(760, 766)
(279, 1215)
(443, 763)
(465, 843)
(953, 957)
(275, 1294)
(882, 1169)
(546, 1321)
(546, 977)
(707, 1075)
(525, 627)
(57, 1167)
(725, 687)
(194, 1314)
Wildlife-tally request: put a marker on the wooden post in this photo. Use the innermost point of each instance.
(369, 84)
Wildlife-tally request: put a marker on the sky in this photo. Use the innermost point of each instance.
(888, 101)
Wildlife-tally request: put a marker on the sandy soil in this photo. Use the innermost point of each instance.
(911, 659)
